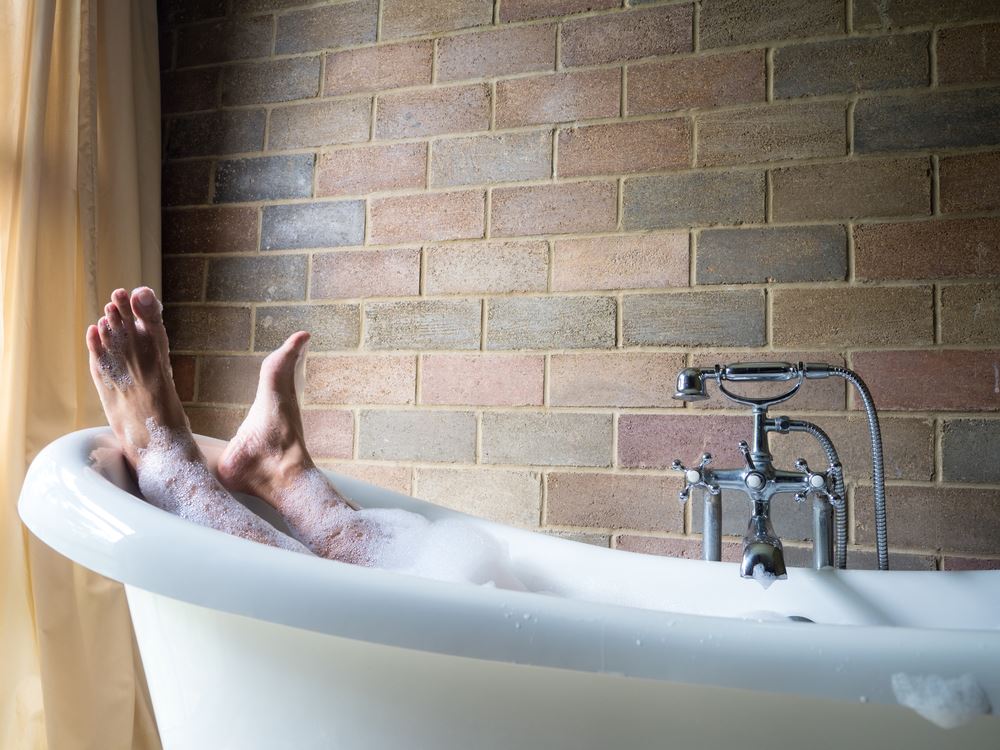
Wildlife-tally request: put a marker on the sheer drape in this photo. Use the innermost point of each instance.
(79, 216)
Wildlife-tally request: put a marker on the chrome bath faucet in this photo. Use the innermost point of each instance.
(760, 480)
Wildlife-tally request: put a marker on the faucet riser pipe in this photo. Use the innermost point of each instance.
(822, 523)
(712, 528)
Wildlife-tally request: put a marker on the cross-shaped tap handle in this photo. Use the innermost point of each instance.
(696, 477)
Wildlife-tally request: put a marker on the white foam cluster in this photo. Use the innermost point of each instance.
(112, 361)
(173, 477)
(763, 576)
(949, 703)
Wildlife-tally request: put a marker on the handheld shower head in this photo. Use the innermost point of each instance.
(691, 385)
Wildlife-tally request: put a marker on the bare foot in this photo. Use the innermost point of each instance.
(268, 458)
(130, 365)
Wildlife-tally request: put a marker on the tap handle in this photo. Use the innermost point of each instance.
(745, 450)
(696, 477)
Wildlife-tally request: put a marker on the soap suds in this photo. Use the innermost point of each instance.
(949, 703)
(172, 481)
(762, 576)
(111, 362)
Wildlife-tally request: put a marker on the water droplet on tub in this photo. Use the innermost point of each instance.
(863, 698)
(638, 641)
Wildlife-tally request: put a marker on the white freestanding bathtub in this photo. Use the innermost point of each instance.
(246, 646)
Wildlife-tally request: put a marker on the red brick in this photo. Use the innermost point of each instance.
(852, 316)
(366, 273)
(186, 182)
(503, 52)
(613, 501)
(614, 379)
(507, 157)
(524, 10)
(501, 495)
(558, 97)
(653, 441)
(224, 41)
(393, 478)
(953, 519)
(928, 249)
(320, 124)
(183, 369)
(371, 169)
(183, 278)
(329, 434)
(203, 328)
(969, 183)
(696, 83)
(430, 217)
(552, 209)
(971, 563)
(482, 379)
(387, 66)
(401, 18)
(728, 23)
(361, 379)
(210, 230)
(214, 421)
(493, 267)
(331, 25)
(940, 380)
(627, 35)
(279, 80)
(688, 548)
(815, 395)
(858, 188)
(625, 148)
(432, 112)
(969, 54)
(654, 260)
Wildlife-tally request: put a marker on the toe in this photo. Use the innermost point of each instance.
(112, 316)
(120, 298)
(296, 342)
(93, 339)
(146, 306)
(104, 332)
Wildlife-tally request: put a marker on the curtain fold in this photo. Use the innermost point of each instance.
(79, 216)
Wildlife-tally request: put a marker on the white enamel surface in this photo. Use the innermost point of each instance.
(243, 643)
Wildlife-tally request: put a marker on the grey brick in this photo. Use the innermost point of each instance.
(228, 379)
(257, 278)
(271, 81)
(313, 225)
(183, 278)
(970, 450)
(185, 183)
(425, 324)
(320, 124)
(201, 328)
(970, 313)
(772, 133)
(189, 90)
(333, 327)
(553, 439)
(694, 199)
(264, 178)
(229, 229)
(217, 133)
(491, 158)
(414, 435)
(952, 119)
(186, 11)
(224, 41)
(717, 318)
(551, 323)
(331, 26)
(847, 65)
(890, 14)
(729, 23)
(782, 254)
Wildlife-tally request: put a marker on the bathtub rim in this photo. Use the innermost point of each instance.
(265, 583)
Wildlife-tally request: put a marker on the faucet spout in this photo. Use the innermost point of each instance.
(763, 557)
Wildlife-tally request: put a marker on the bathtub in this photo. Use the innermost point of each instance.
(247, 646)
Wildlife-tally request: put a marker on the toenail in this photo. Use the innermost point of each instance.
(145, 297)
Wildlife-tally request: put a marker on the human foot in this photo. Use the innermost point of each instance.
(268, 458)
(130, 365)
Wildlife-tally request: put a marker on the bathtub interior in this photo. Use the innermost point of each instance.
(551, 566)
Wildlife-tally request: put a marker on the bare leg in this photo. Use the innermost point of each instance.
(130, 366)
(268, 458)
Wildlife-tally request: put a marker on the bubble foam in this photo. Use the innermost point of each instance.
(949, 703)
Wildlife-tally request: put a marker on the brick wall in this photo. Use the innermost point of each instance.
(508, 224)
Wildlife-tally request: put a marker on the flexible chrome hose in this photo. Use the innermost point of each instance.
(878, 469)
(837, 473)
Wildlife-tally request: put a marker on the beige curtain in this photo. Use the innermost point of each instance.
(79, 216)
